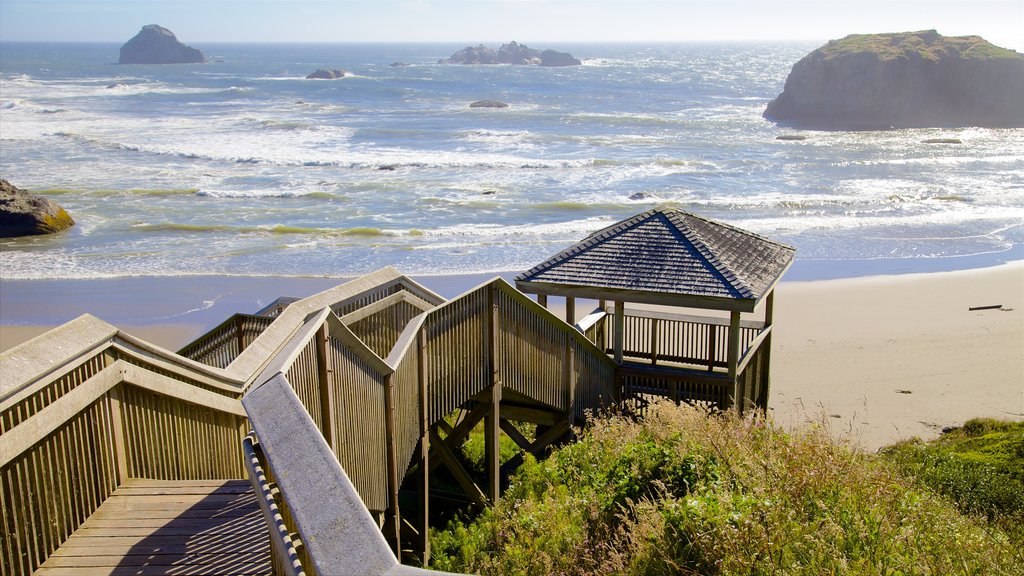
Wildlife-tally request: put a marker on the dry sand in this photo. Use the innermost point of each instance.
(877, 359)
(881, 359)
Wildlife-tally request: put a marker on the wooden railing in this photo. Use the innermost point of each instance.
(694, 340)
(220, 346)
(110, 411)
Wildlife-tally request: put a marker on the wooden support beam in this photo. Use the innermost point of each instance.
(325, 375)
(453, 465)
(392, 465)
(542, 299)
(512, 432)
(532, 415)
(570, 310)
(569, 381)
(421, 380)
(733, 361)
(492, 429)
(769, 310)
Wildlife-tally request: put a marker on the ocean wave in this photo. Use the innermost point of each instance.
(279, 229)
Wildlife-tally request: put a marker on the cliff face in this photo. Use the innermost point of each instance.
(905, 80)
(157, 45)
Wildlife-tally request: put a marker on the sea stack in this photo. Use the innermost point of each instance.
(25, 214)
(157, 45)
(511, 53)
(903, 80)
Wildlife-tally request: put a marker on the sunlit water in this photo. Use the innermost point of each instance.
(242, 166)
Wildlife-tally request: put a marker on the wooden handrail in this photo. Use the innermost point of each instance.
(752, 349)
(591, 320)
(341, 538)
(286, 558)
(692, 318)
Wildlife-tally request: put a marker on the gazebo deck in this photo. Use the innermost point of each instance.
(202, 527)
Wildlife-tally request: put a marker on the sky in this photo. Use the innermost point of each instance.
(534, 22)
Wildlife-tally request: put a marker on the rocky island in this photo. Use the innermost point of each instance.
(511, 53)
(158, 45)
(903, 80)
(25, 214)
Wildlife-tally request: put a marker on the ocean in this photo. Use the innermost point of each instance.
(241, 166)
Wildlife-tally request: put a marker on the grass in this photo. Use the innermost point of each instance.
(928, 44)
(687, 492)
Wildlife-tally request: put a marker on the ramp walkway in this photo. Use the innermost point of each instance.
(201, 527)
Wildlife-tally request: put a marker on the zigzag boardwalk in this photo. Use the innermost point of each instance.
(201, 527)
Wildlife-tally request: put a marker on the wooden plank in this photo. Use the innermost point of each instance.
(156, 527)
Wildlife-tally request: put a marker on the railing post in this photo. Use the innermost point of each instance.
(117, 434)
(492, 426)
(240, 333)
(542, 299)
(569, 378)
(712, 346)
(392, 463)
(421, 377)
(766, 347)
(326, 375)
(570, 310)
(619, 329)
(654, 341)
(733, 361)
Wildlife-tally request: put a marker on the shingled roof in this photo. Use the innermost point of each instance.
(665, 256)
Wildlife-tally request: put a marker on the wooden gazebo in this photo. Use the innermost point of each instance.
(668, 257)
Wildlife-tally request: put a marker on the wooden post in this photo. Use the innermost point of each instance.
(569, 378)
(117, 434)
(734, 357)
(712, 346)
(570, 310)
(492, 423)
(766, 346)
(619, 329)
(542, 299)
(239, 333)
(421, 377)
(654, 341)
(325, 374)
(392, 463)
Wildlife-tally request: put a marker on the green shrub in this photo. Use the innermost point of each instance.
(687, 492)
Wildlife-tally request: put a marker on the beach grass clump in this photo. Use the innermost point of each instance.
(979, 465)
(684, 491)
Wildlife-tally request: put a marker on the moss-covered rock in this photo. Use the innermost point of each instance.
(903, 80)
(25, 214)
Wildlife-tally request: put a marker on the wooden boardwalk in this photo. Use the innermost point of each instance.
(202, 527)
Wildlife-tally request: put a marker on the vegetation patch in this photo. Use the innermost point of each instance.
(687, 492)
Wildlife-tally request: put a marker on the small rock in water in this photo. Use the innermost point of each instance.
(25, 214)
(488, 192)
(942, 141)
(325, 74)
(387, 167)
(639, 196)
(791, 137)
(488, 104)
(398, 64)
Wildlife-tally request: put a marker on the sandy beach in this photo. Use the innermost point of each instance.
(880, 359)
(877, 359)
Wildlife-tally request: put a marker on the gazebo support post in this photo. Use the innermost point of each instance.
(570, 310)
(542, 299)
(733, 360)
(618, 335)
(766, 346)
